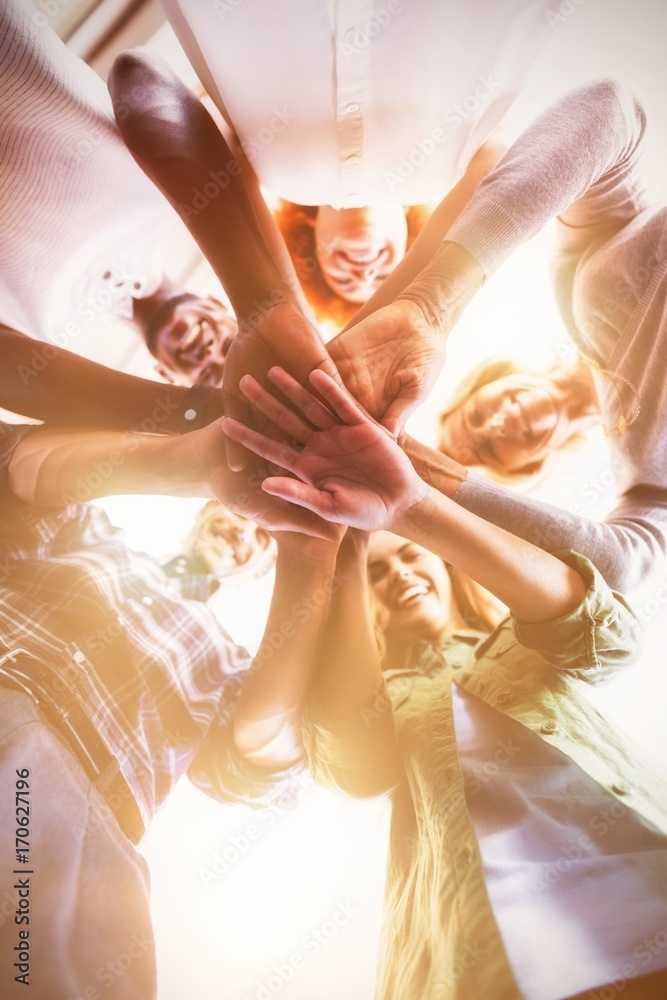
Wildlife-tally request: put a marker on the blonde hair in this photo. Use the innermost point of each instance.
(297, 225)
(472, 607)
(492, 369)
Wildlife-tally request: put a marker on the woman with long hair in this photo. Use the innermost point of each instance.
(504, 881)
(579, 162)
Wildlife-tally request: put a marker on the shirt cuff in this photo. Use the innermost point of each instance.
(594, 639)
(487, 232)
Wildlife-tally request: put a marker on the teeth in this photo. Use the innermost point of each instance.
(411, 593)
(192, 335)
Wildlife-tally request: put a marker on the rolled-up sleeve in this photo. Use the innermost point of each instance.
(10, 436)
(596, 639)
(357, 755)
(222, 773)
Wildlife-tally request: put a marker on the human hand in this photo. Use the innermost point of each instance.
(350, 470)
(280, 335)
(390, 361)
(242, 491)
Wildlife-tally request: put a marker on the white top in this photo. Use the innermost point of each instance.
(80, 223)
(355, 102)
(560, 856)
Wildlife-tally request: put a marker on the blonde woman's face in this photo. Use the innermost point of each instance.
(412, 585)
(507, 425)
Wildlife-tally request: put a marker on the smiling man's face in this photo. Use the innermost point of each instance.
(193, 339)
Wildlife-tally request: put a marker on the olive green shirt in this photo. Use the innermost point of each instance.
(440, 937)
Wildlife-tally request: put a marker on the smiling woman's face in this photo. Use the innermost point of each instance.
(507, 425)
(357, 248)
(412, 585)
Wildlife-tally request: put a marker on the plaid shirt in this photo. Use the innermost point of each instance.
(158, 674)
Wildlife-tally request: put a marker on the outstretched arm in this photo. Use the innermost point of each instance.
(46, 383)
(268, 717)
(53, 468)
(626, 547)
(178, 145)
(585, 146)
(349, 727)
(352, 472)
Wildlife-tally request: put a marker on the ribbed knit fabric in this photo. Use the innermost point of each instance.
(74, 206)
(578, 161)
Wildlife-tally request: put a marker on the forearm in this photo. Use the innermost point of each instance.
(47, 383)
(177, 144)
(429, 241)
(51, 468)
(268, 719)
(534, 585)
(584, 144)
(627, 547)
(349, 673)
(351, 739)
(436, 469)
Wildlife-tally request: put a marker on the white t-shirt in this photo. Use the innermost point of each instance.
(80, 224)
(355, 102)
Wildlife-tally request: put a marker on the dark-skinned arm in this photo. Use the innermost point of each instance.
(45, 382)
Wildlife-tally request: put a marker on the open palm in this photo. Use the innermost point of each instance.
(348, 469)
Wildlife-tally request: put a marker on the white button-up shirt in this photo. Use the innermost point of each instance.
(355, 102)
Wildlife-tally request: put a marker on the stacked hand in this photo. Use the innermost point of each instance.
(280, 335)
(345, 467)
(389, 361)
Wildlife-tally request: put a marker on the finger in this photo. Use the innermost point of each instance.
(396, 415)
(294, 491)
(237, 409)
(292, 518)
(309, 405)
(274, 451)
(290, 423)
(338, 398)
(328, 365)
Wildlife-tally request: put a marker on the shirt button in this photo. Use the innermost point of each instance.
(352, 108)
(147, 601)
(549, 727)
(352, 158)
(502, 698)
(78, 656)
(620, 789)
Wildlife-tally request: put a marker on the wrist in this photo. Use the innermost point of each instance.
(306, 553)
(414, 519)
(435, 468)
(444, 287)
